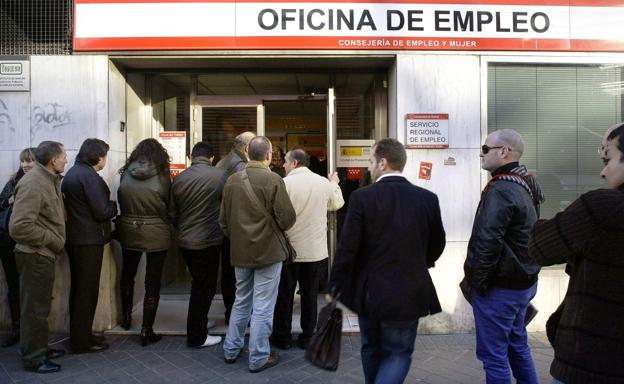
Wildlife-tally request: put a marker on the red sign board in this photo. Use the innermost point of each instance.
(514, 25)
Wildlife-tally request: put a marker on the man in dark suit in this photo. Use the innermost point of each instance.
(392, 234)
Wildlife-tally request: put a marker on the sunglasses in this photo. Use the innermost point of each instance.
(485, 149)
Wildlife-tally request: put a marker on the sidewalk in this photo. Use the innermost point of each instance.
(438, 359)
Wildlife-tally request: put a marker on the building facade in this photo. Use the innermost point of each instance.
(331, 78)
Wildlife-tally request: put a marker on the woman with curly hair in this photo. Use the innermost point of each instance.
(27, 161)
(143, 197)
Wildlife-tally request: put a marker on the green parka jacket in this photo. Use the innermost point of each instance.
(143, 197)
(253, 241)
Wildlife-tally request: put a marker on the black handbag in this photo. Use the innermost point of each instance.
(291, 253)
(324, 348)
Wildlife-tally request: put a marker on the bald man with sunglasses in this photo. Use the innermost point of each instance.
(500, 277)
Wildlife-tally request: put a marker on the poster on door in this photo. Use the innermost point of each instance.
(175, 144)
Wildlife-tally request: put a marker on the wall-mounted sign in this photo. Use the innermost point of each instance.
(14, 74)
(426, 130)
(515, 25)
(425, 170)
(353, 153)
(175, 144)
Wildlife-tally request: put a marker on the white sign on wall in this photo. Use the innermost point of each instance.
(175, 144)
(14, 75)
(353, 153)
(426, 130)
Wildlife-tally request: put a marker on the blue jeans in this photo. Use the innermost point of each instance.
(501, 335)
(387, 348)
(256, 292)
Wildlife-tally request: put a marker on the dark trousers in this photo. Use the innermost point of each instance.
(307, 274)
(85, 264)
(387, 348)
(203, 264)
(36, 281)
(153, 270)
(12, 277)
(228, 279)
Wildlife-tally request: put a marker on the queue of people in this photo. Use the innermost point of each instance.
(240, 216)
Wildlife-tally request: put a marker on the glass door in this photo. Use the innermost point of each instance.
(218, 120)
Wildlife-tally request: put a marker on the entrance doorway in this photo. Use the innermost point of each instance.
(309, 110)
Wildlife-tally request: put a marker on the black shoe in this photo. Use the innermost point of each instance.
(46, 366)
(271, 362)
(98, 339)
(55, 353)
(233, 359)
(281, 344)
(149, 337)
(12, 339)
(303, 342)
(92, 349)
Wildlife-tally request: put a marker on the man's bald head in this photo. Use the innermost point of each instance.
(511, 139)
(242, 141)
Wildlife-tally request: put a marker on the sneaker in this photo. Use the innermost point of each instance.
(210, 341)
(271, 362)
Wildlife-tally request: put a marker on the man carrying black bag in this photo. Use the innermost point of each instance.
(392, 234)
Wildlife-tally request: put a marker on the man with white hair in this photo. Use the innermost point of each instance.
(500, 277)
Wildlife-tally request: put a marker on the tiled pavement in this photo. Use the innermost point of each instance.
(437, 359)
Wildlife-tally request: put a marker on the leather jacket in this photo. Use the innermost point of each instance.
(498, 247)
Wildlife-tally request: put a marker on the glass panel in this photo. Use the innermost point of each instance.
(220, 125)
(562, 112)
(297, 124)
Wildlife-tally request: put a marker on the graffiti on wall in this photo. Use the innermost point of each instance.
(50, 116)
(6, 122)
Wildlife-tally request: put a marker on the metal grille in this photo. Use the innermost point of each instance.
(36, 27)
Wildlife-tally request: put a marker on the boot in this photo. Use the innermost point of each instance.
(150, 305)
(13, 337)
(126, 307)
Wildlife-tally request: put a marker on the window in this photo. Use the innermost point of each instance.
(561, 111)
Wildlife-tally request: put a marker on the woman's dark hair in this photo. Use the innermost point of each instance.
(618, 133)
(153, 152)
(91, 151)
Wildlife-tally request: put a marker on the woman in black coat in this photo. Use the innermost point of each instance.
(27, 161)
(89, 211)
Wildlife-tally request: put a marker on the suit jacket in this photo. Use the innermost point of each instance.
(392, 234)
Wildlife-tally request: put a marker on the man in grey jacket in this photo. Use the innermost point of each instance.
(235, 161)
(38, 227)
(194, 210)
(253, 220)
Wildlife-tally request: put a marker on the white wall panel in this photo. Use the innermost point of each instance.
(69, 99)
(441, 84)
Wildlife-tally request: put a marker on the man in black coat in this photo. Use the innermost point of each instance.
(392, 235)
(89, 211)
(194, 210)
